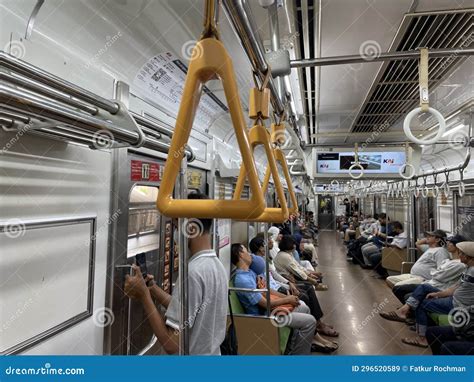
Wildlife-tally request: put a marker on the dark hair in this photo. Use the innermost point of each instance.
(307, 254)
(382, 215)
(287, 243)
(397, 225)
(376, 216)
(206, 224)
(256, 243)
(235, 250)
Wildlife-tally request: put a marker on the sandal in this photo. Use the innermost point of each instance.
(321, 287)
(392, 316)
(322, 349)
(414, 341)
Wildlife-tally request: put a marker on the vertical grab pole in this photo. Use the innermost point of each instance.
(212, 195)
(183, 266)
(267, 268)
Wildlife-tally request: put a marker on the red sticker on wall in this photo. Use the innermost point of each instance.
(144, 171)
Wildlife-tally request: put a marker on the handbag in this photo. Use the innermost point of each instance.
(230, 346)
(280, 309)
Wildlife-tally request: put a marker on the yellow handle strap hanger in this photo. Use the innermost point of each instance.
(211, 14)
(259, 99)
(280, 158)
(423, 78)
(212, 62)
(260, 136)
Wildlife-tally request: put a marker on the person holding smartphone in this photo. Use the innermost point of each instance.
(207, 297)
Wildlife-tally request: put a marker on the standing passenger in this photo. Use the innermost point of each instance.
(207, 297)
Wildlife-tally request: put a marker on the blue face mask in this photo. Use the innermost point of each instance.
(258, 264)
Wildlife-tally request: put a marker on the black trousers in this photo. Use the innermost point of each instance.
(308, 295)
(443, 341)
(403, 291)
(376, 261)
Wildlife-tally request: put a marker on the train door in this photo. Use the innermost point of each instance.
(425, 214)
(138, 229)
(465, 215)
(325, 212)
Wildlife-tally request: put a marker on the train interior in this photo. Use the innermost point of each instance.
(288, 113)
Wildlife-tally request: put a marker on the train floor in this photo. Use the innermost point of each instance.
(353, 302)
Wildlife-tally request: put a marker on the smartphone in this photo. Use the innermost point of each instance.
(140, 259)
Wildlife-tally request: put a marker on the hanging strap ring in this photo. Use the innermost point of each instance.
(354, 167)
(411, 137)
(425, 191)
(402, 169)
(435, 191)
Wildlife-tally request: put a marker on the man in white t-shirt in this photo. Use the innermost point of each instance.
(207, 297)
(399, 241)
(429, 261)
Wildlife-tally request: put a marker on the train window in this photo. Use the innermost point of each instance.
(426, 215)
(465, 216)
(143, 220)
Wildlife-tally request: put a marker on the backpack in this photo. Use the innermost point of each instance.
(229, 346)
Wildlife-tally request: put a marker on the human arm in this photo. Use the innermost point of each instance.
(157, 293)
(443, 293)
(135, 287)
(293, 300)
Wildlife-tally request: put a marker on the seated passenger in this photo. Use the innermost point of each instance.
(375, 241)
(447, 274)
(207, 282)
(255, 303)
(429, 261)
(399, 241)
(307, 295)
(310, 255)
(456, 300)
(275, 235)
(443, 340)
(277, 281)
(287, 265)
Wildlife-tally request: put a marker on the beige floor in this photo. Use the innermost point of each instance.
(352, 304)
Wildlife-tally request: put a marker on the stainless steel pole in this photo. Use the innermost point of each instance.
(388, 56)
(183, 267)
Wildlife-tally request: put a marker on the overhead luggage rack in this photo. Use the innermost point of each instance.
(35, 101)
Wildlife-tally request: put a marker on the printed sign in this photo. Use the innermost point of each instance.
(144, 171)
(372, 162)
(162, 81)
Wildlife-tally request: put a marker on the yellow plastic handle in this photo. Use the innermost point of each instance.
(212, 62)
(280, 158)
(259, 136)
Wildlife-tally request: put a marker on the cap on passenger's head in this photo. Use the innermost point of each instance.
(274, 232)
(455, 239)
(466, 247)
(258, 264)
(439, 233)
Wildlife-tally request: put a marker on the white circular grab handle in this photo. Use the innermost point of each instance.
(425, 191)
(353, 167)
(402, 169)
(461, 188)
(411, 137)
(446, 188)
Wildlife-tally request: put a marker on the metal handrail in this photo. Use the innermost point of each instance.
(57, 83)
(388, 56)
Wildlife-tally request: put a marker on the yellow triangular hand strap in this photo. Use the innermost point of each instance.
(260, 136)
(209, 60)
